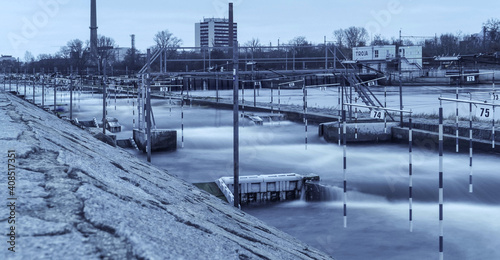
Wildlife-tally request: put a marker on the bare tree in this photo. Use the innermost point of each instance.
(299, 41)
(449, 44)
(75, 52)
(168, 43)
(28, 57)
(165, 39)
(492, 32)
(379, 40)
(105, 46)
(339, 37)
(300, 46)
(355, 36)
(253, 43)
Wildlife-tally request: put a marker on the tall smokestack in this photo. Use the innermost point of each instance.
(231, 29)
(93, 29)
(132, 38)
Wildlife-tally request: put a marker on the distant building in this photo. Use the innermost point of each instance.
(7, 58)
(213, 32)
(384, 58)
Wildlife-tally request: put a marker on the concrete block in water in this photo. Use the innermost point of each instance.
(106, 138)
(263, 188)
(366, 132)
(161, 140)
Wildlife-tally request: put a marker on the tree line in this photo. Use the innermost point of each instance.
(76, 53)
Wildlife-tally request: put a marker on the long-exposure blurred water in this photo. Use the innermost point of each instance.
(377, 177)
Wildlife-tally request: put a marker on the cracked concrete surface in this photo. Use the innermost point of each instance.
(79, 198)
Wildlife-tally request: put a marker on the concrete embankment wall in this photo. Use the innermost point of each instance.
(426, 135)
(79, 198)
(292, 115)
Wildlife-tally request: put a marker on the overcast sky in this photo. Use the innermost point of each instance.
(43, 26)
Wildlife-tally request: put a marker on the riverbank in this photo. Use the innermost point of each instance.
(79, 198)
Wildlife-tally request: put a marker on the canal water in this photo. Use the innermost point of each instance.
(377, 178)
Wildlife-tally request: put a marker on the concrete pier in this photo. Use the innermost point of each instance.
(161, 140)
(366, 132)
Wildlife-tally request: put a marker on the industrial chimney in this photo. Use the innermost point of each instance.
(93, 31)
(231, 26)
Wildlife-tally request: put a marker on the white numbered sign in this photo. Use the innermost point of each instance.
(471, 78)
(377, 114)
(485, 112)
(494, 96)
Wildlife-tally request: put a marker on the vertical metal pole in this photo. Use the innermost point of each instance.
(305, 111)
(236, 158)
(243, 97)
(385, 111)
(133, 114)
(356, 123)
(344, 171)
(217, 87)
(400, 81)
(104, 97)
(70, 94)
(470, 147)
(182, 116)
(34, 91)
(326, 56)
(410, 172)
(43, 91)
(254, 93)
(340, 112)
(116, 90)
(440, 180)
(456, 117)
(493, 120)
(279, 100)
(272, 101)
(148, 107)
(25, 81)
(55, 95)
(350, 101)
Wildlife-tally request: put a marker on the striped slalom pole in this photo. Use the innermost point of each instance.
(440, 180)
(456, 121)
(340, 114)
(470, 147)
(33, 91)
(272, 107)
(344, 165)
(133, 114)
(43, 91)
(410, 173)
(356, 123)
(493, 129)
(493, 119)
(243, 97)
(279, 102)
(385, 111)
(305, 112)
(182, 121)
(55, 95)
